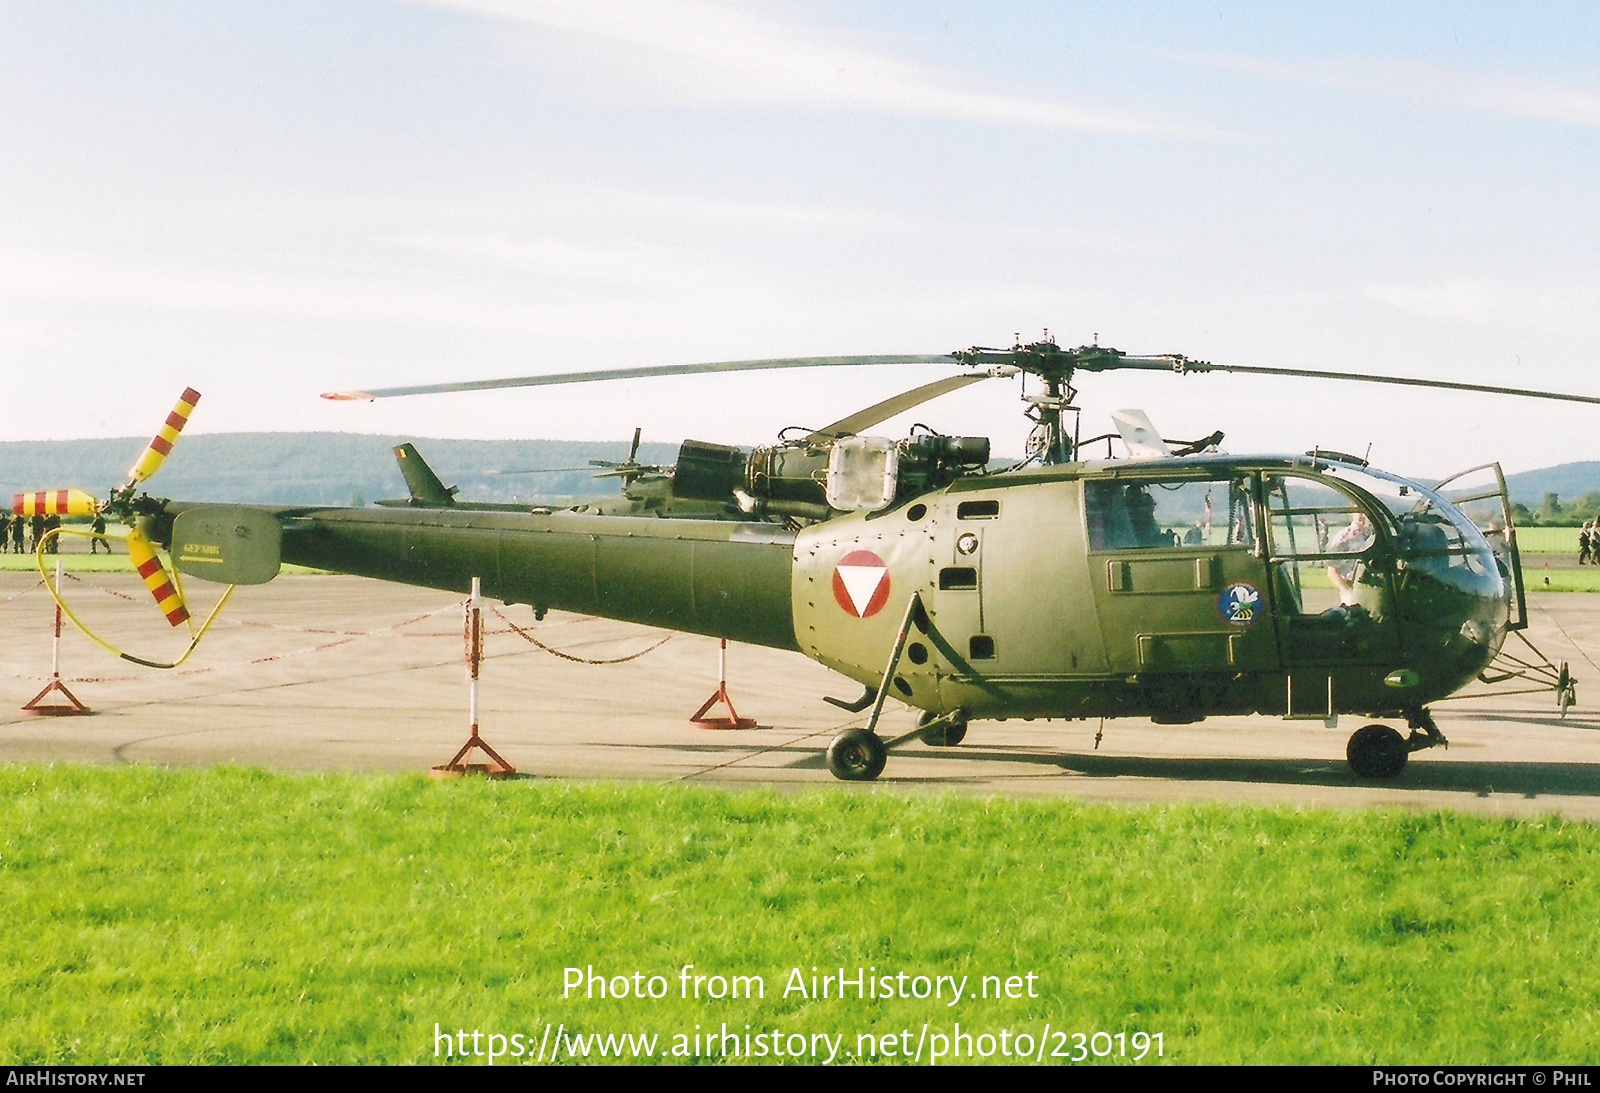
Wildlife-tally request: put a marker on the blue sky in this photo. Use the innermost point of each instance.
(268, 201)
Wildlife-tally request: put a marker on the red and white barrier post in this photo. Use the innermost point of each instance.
(37, 705)
(733, 720)
(496, 767)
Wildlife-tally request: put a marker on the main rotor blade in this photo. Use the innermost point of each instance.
(1096, 359)
(899, 404)
(1362, 377)
(639, 373)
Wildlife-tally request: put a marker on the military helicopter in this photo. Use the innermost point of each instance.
(1173, 585)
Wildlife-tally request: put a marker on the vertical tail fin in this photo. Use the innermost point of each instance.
(425, 487)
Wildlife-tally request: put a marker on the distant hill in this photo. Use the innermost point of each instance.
(1569, 481)
(317, 468)
(328, 468)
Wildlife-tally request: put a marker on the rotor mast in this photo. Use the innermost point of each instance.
(1051, 442)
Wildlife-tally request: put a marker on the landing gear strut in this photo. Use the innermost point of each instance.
(858, 755)
(1377, 751)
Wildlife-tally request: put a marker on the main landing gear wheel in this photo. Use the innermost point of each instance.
(857, 756)
(938, 733)
(1377, 751)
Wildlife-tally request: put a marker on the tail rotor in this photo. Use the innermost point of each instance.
(139, 512)
(54, 503)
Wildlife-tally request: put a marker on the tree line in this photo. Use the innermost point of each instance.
(1553, 513)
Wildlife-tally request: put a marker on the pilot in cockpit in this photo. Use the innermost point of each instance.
(1353, 538)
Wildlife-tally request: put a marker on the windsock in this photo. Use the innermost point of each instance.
(143, 556)
(53, 503)
(156, 452)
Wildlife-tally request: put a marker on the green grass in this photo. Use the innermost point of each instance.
(225, 915)
(1548, 541)
(72, 563)
(1566, 579)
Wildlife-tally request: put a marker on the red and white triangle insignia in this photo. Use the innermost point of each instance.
(861, 583)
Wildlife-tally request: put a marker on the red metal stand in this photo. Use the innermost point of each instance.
(496, 767)
(36, 705)
(55, 709)
(733, 720)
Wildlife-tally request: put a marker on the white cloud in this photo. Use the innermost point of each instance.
(1573, 308)
(546, 257)
(99, 281)
(732, 56)
(1475, 92)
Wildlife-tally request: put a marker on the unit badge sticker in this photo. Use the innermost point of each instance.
(861, 583)
(1239, 604)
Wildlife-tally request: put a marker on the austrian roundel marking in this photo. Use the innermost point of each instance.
(861, 583)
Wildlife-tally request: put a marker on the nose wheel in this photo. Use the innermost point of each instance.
(1377, 751)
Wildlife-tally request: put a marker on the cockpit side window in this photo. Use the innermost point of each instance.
(1153, 514)
(1307, 517)
(1322, 541)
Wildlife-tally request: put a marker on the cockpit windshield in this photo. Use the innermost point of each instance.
(1429, 532)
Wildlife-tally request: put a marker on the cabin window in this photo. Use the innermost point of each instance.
(1144, 514)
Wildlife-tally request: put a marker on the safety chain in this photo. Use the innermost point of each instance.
(568, 656)
(321, 647)
(102, 588)
(36, 584)
(252, 624)
(408, 634)
(343, 637)
(1557, 622)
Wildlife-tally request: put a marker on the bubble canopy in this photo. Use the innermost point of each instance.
(1429, 532)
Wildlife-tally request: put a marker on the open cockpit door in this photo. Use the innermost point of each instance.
(1480, 494)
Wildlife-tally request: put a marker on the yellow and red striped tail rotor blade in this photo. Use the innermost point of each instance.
(53, 503)
(156, 452)
(143, 557)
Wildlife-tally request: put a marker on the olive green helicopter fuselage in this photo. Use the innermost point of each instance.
(1169, 589)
